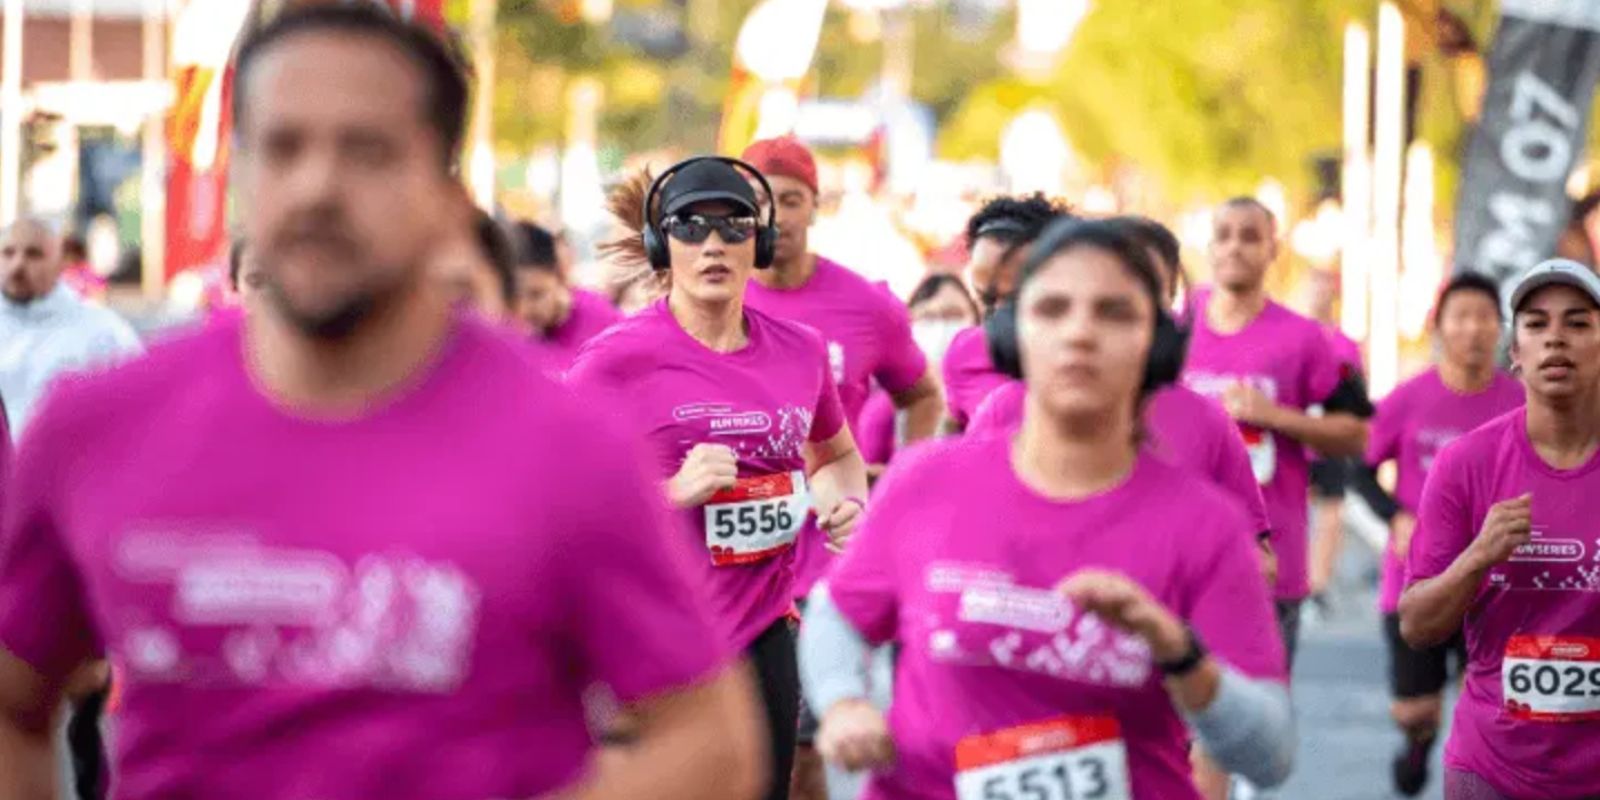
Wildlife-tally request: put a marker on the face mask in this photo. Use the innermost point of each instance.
(933, 337)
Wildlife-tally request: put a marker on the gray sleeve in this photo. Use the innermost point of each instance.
(833, 655)
(1249, 728)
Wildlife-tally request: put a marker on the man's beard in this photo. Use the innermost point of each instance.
(20, 297)
(329, 324)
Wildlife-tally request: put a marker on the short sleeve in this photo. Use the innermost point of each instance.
(1228, 603)
(863, 582)
(640, 623)
(1231, 470)
(1444, 519)
(1383, 438)
(902, 363)
(827, 416)
(45, 618)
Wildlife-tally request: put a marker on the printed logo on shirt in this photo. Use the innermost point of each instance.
(776, 433)
(1430, 441)
(736, 424)
(836, 361)
(391, 621)
(982, 617)
(1550, 562)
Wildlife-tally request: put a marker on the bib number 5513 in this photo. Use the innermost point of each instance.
(1086, 779)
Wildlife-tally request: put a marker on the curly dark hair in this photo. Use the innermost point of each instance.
(1015, 220)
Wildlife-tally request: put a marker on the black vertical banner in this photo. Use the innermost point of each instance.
(1542, 76)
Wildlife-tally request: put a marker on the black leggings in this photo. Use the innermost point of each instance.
(778, 677)
(87, 747)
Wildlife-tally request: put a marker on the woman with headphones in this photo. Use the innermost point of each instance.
(743, 415)
(1063, 600)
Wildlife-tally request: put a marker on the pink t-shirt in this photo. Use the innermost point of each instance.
(1182, 427)
(1289, 359)
(875, 429)
(1344, 348)
(957, 564)
(591, 314)
(868, 335)
(1528, 720)
(408, 603)
(766, 401)
(1411, 426)
(969, 374)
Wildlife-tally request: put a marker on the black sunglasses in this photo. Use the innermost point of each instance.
(696, 228)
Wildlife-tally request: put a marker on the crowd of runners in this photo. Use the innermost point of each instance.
(422, 519)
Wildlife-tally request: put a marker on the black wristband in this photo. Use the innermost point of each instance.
(1189, 661)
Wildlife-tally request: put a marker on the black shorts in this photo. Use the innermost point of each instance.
(1329, 476)
(1420, 673)
(773, 657)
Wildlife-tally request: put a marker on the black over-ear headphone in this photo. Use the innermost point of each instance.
(1168, 347)
(655, 245)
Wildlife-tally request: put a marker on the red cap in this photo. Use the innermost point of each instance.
(784, 156)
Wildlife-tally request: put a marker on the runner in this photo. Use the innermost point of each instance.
(997, 238)
(1412, 424)
(1054, 595)
(740, 406)
(867, 328)
(46, 329)
(940, 309)
(559, 316)
(1500, 554)
(1268, 365)
(308, 541)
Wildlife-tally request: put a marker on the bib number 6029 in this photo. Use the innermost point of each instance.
(763, 520)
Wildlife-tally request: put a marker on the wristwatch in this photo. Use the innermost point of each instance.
(1190, 659)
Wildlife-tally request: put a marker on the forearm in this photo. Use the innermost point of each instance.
(27, 763)
(1431, 610)
(845, 476)
(1364, 480)
(923, 407)
(711, 749)
(1330, 434)
(833, 655)
(1247, 727)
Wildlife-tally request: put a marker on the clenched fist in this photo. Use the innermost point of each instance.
(708, 469)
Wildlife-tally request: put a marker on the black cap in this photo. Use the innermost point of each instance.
(707, 181)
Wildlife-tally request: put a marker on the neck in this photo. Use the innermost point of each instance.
(1070, 459)
(1466, 378)
(1229, 311)
(563, 313)
(1565, 432)
(720, 327)
(791, 274)
(346, 376)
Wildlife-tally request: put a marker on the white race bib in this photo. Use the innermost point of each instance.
(1551, 678)
(1071, 758)
(757, 519)
(1263, 451)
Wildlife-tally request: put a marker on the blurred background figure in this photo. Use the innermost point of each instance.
(79, 274)
(559, 316)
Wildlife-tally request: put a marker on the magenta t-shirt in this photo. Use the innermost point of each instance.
(969, 374)
(1182, 427)
(1410, 427)
(875, 429)
(408, 603)
(591, 314)
(1528, 720)
(766, 401)
(957, 563)
(868, 336)
(1287, 357)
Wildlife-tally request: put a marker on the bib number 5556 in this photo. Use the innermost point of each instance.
(763, 520)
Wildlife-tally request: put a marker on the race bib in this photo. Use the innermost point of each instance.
(1552, 678)
(1071, 758)
(757, 519)
(1263, 453)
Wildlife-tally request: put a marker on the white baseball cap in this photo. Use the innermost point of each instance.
(1557, 271)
